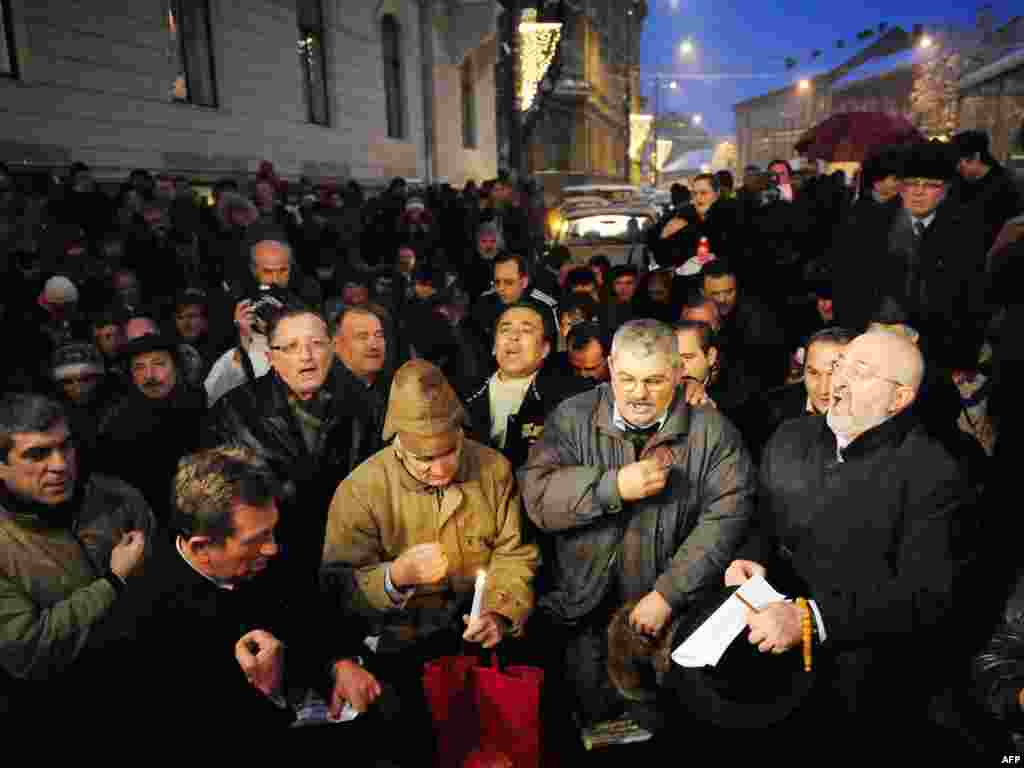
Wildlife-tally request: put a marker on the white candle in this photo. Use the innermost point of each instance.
(478, 596)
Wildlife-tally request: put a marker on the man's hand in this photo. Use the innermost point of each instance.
(739, 571)
(642, 479)
(422, 564)
(696, 394)
(650, 615)
(261, 657)
(488, 630)
(245, 316)
(353, 684)
(775, 628)
(127, 554)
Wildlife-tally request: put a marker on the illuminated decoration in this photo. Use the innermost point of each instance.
(662, 155)
(926, 42)
(639, 134)
(804, 85)
(538, 42)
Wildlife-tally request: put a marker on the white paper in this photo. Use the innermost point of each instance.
(708, 643)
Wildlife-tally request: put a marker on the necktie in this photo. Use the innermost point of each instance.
(639, 436)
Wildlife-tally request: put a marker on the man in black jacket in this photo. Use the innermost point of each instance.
(983, 184)
(928, 255)
(294, 420)
(856, 515)
(507, 409)
(212, 600)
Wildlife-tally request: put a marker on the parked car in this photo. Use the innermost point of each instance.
(616, 231)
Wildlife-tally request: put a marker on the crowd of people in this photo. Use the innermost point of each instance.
(256, 454)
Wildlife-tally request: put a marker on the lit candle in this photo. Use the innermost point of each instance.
(478, 596)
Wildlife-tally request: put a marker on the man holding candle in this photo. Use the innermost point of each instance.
(410, 529)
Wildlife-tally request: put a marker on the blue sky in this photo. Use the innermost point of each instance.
(753, 38)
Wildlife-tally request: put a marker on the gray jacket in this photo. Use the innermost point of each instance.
(678, 542)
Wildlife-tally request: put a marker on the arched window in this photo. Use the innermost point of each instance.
(391, 44)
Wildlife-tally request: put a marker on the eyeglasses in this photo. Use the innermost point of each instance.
(858, 371)
(931, 186)
(295, 348)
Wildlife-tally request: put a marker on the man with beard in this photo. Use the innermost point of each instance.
(639, 497)
(858, 509)
(70, 544)
(161, 415)
(294, 419)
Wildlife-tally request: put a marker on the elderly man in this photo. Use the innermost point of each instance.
(362, 376)
(507, 410)
(641, 497)
(928, 255)
(143, 435)
(292, 419)
(70, 545)
(857, 513)
(212, 599)
(415, 525)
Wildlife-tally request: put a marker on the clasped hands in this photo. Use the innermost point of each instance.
(428, 564)
(776, 626)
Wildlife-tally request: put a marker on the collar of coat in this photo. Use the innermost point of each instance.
(531, 392)
(677, 423)
(887, 433)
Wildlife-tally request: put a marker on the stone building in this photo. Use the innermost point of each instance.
(582, 135)
(363, 89)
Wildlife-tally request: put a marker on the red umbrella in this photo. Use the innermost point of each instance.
(853, 136)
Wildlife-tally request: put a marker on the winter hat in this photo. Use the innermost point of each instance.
(424, 409)
(933, 160)
(58, 290)
(75, 359)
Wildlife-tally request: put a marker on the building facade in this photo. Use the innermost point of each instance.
(345, 89)
(582, 135)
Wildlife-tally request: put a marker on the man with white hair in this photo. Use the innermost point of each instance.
(640, 497)
(856, 513)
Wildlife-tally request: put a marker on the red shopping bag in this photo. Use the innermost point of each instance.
(474, 707)
(508, 708)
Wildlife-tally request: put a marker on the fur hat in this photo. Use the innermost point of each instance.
(75, 359)
(423, 409)
(933, 160)
(151, 342)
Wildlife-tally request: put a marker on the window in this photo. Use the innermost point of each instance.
(189, 22)
(8, 65)
(311, 60)
(391, 43)
(607, 228)
(468, 105)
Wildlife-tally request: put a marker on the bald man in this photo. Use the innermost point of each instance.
(855, 513)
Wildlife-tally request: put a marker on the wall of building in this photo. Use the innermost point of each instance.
(96, 79)
(996, 106)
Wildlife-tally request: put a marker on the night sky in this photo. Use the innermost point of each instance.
(754, 37)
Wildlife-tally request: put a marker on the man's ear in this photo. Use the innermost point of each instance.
(198, 547)
(712, 357)
(902, 399)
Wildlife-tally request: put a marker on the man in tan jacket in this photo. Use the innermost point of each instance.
(417, 522)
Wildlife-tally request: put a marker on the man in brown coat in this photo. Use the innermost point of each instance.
(411, 527)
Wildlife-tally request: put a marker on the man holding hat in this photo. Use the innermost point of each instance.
(928, 255)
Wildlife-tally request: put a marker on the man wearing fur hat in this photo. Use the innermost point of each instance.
(927, 255)
(142, 437)
(983, 184)
(419, 519)
(81, 384)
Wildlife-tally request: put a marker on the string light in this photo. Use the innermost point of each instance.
(538, 42)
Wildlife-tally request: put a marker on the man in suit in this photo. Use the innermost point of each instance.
(927, 255)
(856, 515)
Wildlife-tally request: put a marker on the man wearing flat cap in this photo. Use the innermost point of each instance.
(927, 255)
(412, 527)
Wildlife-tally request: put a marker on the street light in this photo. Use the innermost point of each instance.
(686, 47)
(673, 85)
(697, 119)
(804, 84)
(926, 43)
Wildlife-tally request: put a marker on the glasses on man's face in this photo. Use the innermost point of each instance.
(927, 185)
(296, 347)
(858, 371)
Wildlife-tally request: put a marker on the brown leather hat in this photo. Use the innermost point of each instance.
(423, 410)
